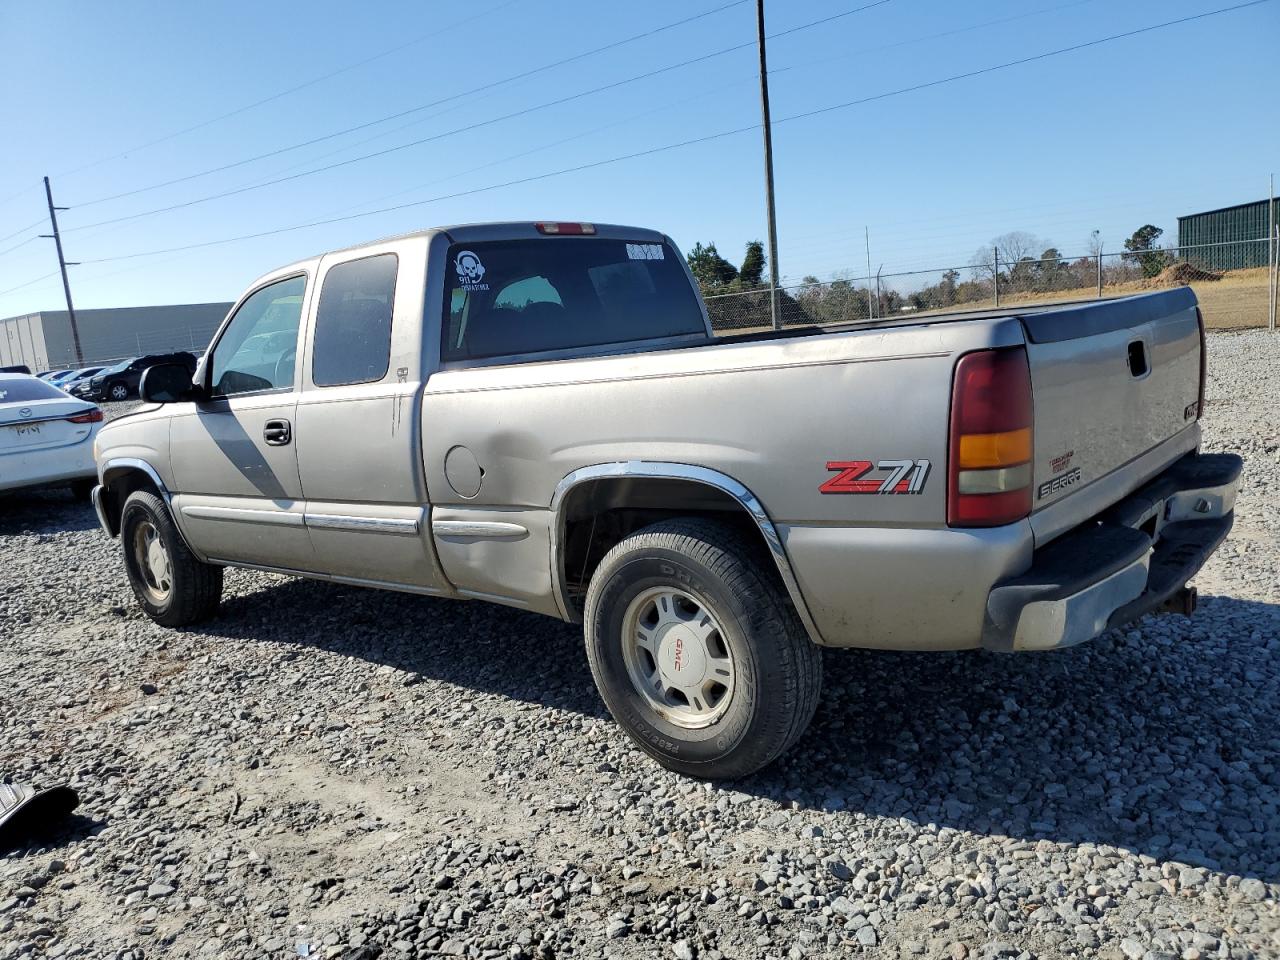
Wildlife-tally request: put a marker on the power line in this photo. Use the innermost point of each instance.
(492, 163)
(705, 92)
(1025, 60)
(18, 245)
(28, 283)
(235, 191)
(294, 89)
(29, 226)
(412, 123)
(14, 196)
(775, 35)
(697, 140)
(938, 36)
(424, 106)
(466, 128)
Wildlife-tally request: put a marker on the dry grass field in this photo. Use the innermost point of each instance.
(1237, 301)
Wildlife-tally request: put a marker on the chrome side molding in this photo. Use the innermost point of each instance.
(242, 515)
(479, 529)
(396, 526)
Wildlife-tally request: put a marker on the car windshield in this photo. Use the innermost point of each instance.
(122, 365)
(27, 389)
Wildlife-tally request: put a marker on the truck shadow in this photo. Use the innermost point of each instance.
(1164, 740)
(44, 511)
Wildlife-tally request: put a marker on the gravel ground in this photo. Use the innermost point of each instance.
(325, 771)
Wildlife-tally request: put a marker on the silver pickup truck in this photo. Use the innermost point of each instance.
(538, 414)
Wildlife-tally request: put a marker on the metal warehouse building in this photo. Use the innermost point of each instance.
(1239, 235)
(43, 340)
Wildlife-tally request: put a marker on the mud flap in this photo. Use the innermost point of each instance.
(26, 813)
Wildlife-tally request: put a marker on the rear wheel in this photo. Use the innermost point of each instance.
(696, 650)
(172, 586)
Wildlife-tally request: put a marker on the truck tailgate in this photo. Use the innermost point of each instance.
(1112, 384)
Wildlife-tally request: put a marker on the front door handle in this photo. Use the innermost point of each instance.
(277, 433)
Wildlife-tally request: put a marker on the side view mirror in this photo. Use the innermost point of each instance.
(167, 383)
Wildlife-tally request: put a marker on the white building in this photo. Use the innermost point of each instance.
(43, 340)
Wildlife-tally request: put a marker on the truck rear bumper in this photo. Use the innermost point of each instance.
(1127, 562)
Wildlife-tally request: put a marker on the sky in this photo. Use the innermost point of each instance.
(122, 98)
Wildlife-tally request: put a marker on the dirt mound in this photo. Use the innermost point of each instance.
(1180, 274)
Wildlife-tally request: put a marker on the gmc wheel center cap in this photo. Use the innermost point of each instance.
(681, 659)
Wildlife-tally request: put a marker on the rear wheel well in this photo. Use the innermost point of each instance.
(117, 486)
(599, 514)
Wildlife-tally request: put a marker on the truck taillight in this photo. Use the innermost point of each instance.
(1204, 364)
(566, 229)
(989, 463)
(89, 416)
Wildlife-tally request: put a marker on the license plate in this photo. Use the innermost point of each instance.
(25, 432)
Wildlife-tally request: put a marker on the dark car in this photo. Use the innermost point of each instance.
(16, 368)
(120, 382)
(69, 380)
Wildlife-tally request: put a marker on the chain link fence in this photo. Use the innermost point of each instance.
(1234, 280)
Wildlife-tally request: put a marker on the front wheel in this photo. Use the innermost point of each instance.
(697, 652)
(118, 392)
(172, 586)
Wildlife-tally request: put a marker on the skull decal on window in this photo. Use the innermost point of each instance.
(470, 269)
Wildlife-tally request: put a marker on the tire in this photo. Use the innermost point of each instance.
(117, 392)
(194, 589)
(772, 670)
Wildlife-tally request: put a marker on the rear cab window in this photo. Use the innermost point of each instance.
(513, 297)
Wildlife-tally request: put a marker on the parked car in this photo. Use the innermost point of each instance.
(120, 382)
(76, 376)
(539, 415)
(16, 368)
(48, 375)
(46, 437)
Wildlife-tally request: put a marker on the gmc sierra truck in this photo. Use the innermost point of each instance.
(539, 415)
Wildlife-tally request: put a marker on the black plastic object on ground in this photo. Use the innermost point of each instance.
(27, 813)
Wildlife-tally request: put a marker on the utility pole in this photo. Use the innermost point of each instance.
(1273, 250)
(768, 170)
(866, 234)
(1100, 245)
(62, 265)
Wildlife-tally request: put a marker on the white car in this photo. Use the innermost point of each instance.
(46, 436)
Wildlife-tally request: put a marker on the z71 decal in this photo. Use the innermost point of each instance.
(904, 476)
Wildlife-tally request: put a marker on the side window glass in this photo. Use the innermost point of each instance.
(258, 349)
(353, 322)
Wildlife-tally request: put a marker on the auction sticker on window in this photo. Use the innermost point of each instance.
(644, 251)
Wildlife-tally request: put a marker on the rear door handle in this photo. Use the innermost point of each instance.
(277, 433)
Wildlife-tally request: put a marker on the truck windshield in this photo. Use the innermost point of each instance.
(527, 296)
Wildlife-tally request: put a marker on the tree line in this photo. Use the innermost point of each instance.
(1018, 262)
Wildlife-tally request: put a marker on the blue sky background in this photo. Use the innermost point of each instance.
(1134, 131)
